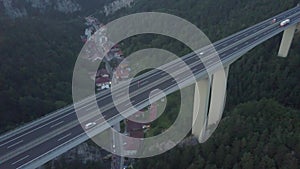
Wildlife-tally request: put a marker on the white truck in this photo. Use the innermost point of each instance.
(285, 22)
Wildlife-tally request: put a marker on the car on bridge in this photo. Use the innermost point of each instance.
(90, 125)
(285, 22)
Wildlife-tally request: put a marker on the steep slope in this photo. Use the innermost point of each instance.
(261, 134)
(38, 53)
(37, 58)
(260, 73)
(23, 8)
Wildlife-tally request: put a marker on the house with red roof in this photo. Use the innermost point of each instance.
(102, 80)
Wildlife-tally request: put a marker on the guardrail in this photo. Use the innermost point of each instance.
(228, 60)
(171, 89)
(63, 110)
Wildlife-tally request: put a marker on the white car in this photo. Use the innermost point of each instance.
(105, 87)
(146, 126)
(201, 53)
(285, 22)
(90, 125)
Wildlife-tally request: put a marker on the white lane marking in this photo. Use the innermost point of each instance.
(246, 43)
(235, 48)
(58, 146)
(54, 120)
(64, 137)
(19, 160)
(143, 83)
(128, 104)
(206, 58)
(56, 124)
(35, 129)
(256, 29)
(162, 73)
(99, 119)
(15, 144)
(55, 147)
(118, 95)
(91, 108)
(210, 61)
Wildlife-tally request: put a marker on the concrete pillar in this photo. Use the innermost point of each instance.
(209, 105)
(201, 106)
(217, 101)
(286, 41)
(297, 28)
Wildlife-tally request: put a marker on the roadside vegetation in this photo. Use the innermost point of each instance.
(260, 128)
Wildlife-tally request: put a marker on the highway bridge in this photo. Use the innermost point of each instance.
(35, 143)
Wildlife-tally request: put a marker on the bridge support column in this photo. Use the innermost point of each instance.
(298, 28)
(209, 105)
(286, 41)
(201, 106)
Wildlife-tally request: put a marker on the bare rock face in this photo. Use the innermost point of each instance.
(21, 8)
(11, 10)
(40, 4)
(67, 6)
(117, 5)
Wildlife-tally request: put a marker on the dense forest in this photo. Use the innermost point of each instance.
(261, 126)
(257, 134)
(37, 57)
(256, 75)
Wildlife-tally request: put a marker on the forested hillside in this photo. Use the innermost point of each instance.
(38, 54)
(49, 9)
(254, 135)
(37, 57)
(259, 73)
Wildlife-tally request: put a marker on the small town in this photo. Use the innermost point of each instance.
(115, 70)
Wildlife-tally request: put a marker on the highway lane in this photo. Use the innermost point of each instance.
(46, 147)
(274, 27)
(65, 134)
(167, 85)
(237, 36)
(160, 75)
(27, 157)
(244, 34)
